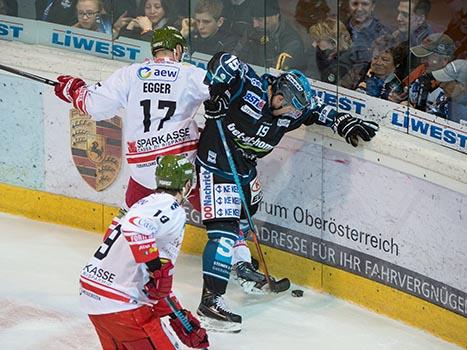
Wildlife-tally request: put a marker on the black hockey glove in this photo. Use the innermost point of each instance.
(350, 128)
(216, 107)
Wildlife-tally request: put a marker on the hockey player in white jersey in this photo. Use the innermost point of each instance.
(124, 285)
(160, 96)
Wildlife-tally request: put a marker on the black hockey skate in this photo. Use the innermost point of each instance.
(253, 281)
(216, 316)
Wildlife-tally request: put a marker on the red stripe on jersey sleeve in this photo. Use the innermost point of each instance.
(144, 252)
(104, 293)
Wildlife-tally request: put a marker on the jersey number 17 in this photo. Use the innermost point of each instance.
(163, 104)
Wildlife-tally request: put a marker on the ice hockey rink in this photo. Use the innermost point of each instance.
(39, 308)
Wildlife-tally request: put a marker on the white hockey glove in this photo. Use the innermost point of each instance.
(217, 107)
(351, 128)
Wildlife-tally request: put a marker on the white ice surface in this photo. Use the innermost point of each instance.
(39, 309)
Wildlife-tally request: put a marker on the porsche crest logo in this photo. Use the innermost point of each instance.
(96, 148)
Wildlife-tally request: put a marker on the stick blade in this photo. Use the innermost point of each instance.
(280, 286)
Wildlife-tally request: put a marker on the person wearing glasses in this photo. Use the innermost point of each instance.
(91, 16)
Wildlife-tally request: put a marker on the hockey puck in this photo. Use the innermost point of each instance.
(298, 293)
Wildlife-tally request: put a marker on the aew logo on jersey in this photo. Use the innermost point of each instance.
(158, 73)
(145, 223)
(96, 148)
(255, 100)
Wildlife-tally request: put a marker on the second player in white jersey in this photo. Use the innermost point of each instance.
(126, 286)
(113, 280)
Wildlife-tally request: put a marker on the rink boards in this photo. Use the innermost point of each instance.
(383, 225)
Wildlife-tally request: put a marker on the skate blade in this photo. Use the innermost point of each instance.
(214, 325)
(249, 287)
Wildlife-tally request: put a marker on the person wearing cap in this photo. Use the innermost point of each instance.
(452, 102)
(160, 96)
(435, 51)
(284, 47)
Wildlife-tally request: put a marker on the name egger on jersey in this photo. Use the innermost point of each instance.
(155, 142)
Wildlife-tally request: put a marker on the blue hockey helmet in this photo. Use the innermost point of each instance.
(223, 68)
(295, 89)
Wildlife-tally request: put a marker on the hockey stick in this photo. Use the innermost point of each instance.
(233, 169)
(179, 314)
(28, 75)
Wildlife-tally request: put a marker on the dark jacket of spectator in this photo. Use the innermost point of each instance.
(310, 12)
(376, 86)
(9, 7)
(416, 36)
(362, 40)
(56, 11)
(238, 16)
(222, 40)
(285, 42)
(115, 8)
(335, 66)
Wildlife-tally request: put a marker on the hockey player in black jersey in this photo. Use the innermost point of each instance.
(255, 113)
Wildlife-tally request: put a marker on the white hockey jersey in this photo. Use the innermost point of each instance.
(113, 280)
(161, 97)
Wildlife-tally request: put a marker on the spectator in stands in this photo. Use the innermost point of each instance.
(152, 14)
(57, 11)
(311, 12)
(210, 36)
(273, 35)
(453, 82)
(364, 28)
(457, 30)
(382, 77)
(116, 8)
(435, 52)
(416, 11)
(9, 7)
(91, 16)
(238, 16)
(3, 8)
(333, 58)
